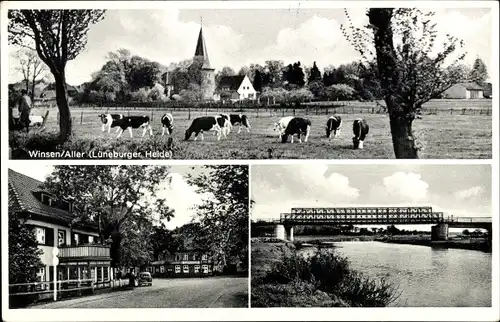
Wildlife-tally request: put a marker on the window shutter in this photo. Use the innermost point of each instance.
(49, 236)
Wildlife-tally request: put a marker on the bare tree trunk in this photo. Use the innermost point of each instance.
(62, 104)
(400, 121)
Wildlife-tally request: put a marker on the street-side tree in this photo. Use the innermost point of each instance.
(223, 216)
(58, 36)
(121, 200)
(479, 73)
(24, 254)
(32, 68)
(412, 67)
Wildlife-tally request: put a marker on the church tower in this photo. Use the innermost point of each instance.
(207, 72)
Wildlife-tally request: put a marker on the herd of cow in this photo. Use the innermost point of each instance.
(222, 124)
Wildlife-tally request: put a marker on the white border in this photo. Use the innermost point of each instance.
(254, 314)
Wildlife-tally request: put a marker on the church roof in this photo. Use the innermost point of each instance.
(201, 51)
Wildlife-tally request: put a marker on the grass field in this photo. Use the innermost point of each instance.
(447, 134)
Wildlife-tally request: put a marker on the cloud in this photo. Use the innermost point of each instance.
(180, 196)
(469, 193)
(401, 187)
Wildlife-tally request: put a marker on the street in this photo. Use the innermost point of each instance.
(211, 292)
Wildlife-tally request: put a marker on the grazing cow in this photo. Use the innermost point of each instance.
(133, 122)
(241, 120)
(109, 121)
(226, 126)
(360, 129)
(167, 122)
(36, 120)
(297, 125)
(333, 125)
(281, 125)
(204, 124)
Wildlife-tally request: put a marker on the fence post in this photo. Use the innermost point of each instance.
(81, 118)
(189, 113)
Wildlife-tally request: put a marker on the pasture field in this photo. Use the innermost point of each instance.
(447, 134)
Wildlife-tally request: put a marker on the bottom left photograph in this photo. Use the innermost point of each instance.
(128, 236)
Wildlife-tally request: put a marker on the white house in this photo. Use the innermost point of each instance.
(235, 88)
(52, 219)
(464, 91)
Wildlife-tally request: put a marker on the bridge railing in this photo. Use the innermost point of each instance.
(468, 219)
(362, 218)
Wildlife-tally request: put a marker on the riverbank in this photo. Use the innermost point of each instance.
(480, 244)
(282, 277)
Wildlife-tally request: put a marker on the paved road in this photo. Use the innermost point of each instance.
(210, 292)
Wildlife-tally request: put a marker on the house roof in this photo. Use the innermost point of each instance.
(472, 86)
(201, 51)
(233, 82)
(22, 199)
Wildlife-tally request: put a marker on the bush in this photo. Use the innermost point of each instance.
(324, 279)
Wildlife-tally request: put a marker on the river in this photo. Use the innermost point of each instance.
(427, 277)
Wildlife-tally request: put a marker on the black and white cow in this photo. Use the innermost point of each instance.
(226, 127)
(167, 122)
(360, 129)
(205, 124)
(108, 121)
(333, 125)
(299, 126)
(133, 122)
(241, 120)
(281, 125)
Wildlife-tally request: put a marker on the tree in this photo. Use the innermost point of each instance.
(225, 71)
(466, 232)
(24, 254)
(314, 74)
(410, 72)
(192, 93)
(223, 216)
(58, 36)
(121, 200)
(257, 81)
(340, 92)
(32, 68)
(479, 73)
(274, 71)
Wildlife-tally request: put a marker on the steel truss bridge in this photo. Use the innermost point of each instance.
(373, 216)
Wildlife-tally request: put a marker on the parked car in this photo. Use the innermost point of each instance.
(145, 278)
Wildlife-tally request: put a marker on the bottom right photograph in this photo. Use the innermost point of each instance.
(359, 235)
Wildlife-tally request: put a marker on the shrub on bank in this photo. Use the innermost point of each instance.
(324, 279)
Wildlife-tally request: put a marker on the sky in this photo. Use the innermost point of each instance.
(180, 196)
(458, 190)
(238, 37)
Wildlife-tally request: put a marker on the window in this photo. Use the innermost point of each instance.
(177, 269)
(162, 269)
(61, 238)
(185, 269)
(46, 200)
(40, 274)
(177, 257)
(196, 269)
(99, 273)
(106, 273)
(204, 257)
(91, 239)
(204, 269)
(195, 257)
(185, 257)
(40, 235)
(76, 239)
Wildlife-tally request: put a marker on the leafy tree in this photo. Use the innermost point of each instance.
(340, 92)
(298, 75)
(163, 241)
(274, 73)
(24, 254)
(244, 71)
(300, 95)
(192, 93)
(410, 73)
(58, 36)
(225, 71)
(257, 81)
(466, 232)
(479, 73)
(32, 68)
(223, 216)
(317, 88)
(314, 74)
(121, 200)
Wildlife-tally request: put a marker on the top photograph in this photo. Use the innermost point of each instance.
(245, 81)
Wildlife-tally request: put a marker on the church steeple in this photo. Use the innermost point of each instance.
(201, 51)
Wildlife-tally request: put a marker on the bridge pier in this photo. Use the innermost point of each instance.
(289, 233)
(279, 232)
(439, 232)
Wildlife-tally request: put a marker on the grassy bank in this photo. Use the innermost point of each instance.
(425, 240)
(283, 278)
